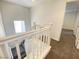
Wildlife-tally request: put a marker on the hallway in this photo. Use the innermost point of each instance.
(65, 49)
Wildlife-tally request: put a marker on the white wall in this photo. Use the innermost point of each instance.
(11, 12)
(50, 11)
(69, 20)
(2, 32)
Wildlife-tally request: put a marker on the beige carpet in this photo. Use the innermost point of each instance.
(65, 49)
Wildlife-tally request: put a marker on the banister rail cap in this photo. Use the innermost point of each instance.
(10, 38)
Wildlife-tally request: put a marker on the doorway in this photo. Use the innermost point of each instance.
(70, 17)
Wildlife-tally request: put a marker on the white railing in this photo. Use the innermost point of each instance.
(31, 45)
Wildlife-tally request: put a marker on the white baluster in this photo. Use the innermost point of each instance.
(11, 53)
(1, 52)
(7, 51)
(33, 51)
(18, 50)
(40, 39)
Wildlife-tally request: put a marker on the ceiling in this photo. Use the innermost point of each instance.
(27, 3)
(71, 6)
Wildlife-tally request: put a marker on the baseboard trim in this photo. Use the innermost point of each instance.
(68, 30)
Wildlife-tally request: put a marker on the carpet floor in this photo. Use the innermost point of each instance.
(65, 48)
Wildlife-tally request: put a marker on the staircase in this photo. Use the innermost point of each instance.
(34, 44)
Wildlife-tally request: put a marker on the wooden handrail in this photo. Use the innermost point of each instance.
(4, 40)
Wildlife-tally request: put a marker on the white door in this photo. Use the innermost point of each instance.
(76, 25)
(76, 32)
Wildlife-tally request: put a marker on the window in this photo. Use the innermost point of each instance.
(19, 26)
